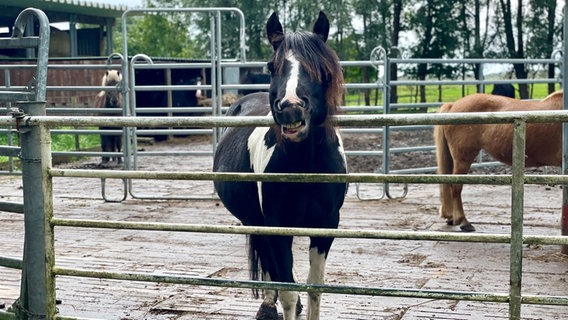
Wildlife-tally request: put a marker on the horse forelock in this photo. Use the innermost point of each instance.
(318, 60)
(112, 78)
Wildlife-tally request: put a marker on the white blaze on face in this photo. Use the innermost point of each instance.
(292, 83)
(259, 154)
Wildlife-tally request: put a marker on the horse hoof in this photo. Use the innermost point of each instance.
(299, 307)
(450, 222)
(467, 227)
(267, 312)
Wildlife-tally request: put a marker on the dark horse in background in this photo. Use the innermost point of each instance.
(504, 89)
(110, 99)
(253, 78)
(457, 146)
(306, 88)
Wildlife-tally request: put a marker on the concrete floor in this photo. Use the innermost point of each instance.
(428, 265)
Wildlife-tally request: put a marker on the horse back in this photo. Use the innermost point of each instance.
(480, 102)
(254, 104)
(497, 139)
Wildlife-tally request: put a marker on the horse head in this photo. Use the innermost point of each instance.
(113, 78)
(306, 79)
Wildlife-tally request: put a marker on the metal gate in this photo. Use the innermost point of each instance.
(37, 297)
(35, 128)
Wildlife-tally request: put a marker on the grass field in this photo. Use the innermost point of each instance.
(409, 94)
(59, 142)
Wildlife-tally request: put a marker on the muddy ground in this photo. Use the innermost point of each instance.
(427, 265)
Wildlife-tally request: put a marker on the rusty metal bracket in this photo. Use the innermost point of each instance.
(19, 115)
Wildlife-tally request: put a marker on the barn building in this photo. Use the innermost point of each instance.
(88, 26)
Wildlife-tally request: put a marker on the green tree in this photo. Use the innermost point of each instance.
(515, 46)
(158, 35)
(381, 26)
(544, 28)
(435, 24)
(442, 29)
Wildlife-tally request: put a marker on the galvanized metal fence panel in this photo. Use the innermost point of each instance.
(517, 179)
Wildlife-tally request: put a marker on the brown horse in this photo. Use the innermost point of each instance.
(110, 99)
(457, 146)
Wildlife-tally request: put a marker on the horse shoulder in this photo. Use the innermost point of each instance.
(260, 150)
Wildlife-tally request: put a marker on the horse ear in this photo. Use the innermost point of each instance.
(321, 27)
(274, 31)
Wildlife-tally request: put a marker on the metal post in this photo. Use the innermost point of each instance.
(517, 207)
(214, 75)
(564, 219)
(37, 295)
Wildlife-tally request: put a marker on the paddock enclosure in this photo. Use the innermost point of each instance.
(151, 241)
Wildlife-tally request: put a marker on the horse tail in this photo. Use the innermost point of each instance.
(254, 267)
(443, 158)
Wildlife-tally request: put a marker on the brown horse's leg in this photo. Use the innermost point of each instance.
(452, 158)
(445, 166)
(461, 166)
(446, 205)
(458, 213)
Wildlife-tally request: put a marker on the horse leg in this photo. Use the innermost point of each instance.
(275, 253)
(118, 145)
(446, 206)
(105, 145)
(267, 310)
(260, 250)
(458, 217)
(281, 247)
(116, 148)
(445, 164)
(319, 248)
(458, 213)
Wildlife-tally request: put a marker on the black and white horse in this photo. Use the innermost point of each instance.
(110, 99)
(306, 88)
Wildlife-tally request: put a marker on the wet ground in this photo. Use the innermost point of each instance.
(428, 265)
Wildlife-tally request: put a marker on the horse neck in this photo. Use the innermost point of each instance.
(319, 138)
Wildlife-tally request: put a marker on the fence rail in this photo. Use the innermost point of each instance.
(517, 179)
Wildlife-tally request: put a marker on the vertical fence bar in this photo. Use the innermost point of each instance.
(564, 218)
(37, 295)
(517, 207)
(217, 101)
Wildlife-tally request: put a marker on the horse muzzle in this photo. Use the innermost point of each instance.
(293, 120)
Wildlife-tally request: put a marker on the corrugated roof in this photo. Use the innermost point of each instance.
(62, 10)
